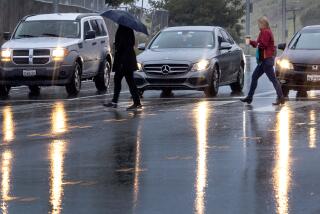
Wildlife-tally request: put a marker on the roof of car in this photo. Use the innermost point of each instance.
(59, 16)
(196, 28)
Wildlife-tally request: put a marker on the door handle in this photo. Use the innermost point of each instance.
(94, 43)
(103, 42)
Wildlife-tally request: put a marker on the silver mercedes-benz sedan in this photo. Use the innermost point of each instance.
(191, 58)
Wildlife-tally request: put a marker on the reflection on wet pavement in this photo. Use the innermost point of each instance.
(58, 119)
(201, 117)
(6, 160)
(312, 130)
(282, 170)
(8, 126)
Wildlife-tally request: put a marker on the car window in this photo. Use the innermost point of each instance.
(95, 27)
(86, 28)
(230, 38)
(225, 36)
(307, 41)
(102, 27)
(184, 39)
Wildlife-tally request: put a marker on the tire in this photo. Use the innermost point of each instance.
(213, 88)
(34, 90)
(4, 91)
(102, 80)
(285, 91)
(237, 87)
(74, 86)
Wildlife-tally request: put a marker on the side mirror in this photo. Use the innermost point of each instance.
(6, 36)
(225, 46)
(142, 46)
(282, 46)
(90, 35)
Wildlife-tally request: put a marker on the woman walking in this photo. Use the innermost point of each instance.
(265, 59)
(125, 63)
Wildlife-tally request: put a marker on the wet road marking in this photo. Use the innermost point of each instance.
(292, 105)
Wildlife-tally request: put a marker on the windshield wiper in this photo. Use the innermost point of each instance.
(25, 36)
(50, 34)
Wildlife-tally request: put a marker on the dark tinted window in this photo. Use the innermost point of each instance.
(226, 37)
(102, 27)
(86, 28)
(95, 27)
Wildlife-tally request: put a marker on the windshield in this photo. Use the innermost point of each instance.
(307, 40)
(184, 39)
(50, 28)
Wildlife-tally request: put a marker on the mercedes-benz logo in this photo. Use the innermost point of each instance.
(165, 69)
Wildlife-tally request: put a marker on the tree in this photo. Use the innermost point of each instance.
(224, 13)
(115, 3)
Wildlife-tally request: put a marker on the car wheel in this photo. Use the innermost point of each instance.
(213, 88)
(34, 90)
(4, 91)
(302, 93)
(285, 91)
(102, 80)
(74, 86)
(237, 87)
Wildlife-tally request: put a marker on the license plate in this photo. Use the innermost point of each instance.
(29, 73)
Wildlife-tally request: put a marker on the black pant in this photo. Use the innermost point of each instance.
(132, 86)
(265, 67)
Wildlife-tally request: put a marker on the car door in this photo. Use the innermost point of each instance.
(235, 57)
(87, 52)
(97, 45)
(223, 58)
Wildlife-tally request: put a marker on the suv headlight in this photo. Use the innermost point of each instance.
(201, 66)
(6, 55)
(58, 54)
(285, 64)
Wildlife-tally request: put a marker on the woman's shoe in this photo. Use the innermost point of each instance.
(279, 101)
(134, 107)
(246, 100)
(110, 105)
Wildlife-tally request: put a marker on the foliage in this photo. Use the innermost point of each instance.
(118, 2)
(224, 13)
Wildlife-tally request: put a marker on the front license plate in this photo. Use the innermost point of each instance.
(29, 73)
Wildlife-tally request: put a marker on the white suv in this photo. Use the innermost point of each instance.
(56, 49)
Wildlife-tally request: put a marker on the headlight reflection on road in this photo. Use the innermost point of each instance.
(137, 168)
(5, 180)
(282, 171)
(56, 151)
(58, 119)
(201, 115)
(313, 130)
(8, 124)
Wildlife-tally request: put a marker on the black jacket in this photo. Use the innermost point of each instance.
(125, 57)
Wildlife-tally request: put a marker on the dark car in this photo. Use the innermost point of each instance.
(191, 58)
(298, 68)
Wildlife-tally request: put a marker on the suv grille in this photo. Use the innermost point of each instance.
(166, 69)
(306, 68)
(31, 57)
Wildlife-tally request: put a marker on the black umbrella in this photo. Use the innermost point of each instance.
(126, 19)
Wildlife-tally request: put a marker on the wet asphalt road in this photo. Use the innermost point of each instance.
(185, 154)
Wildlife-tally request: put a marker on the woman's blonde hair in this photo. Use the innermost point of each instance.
(264, 22)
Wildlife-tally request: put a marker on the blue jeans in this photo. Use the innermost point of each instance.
(266, 66)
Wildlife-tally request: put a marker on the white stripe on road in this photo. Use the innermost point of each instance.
(291, 105)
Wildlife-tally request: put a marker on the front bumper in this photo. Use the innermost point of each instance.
(298, 80)
(191, 80)
(48, 75)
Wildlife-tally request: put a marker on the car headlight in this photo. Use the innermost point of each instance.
(139, 66)
(285, 64)
(6, 55)
(201, 66)
(59, 54)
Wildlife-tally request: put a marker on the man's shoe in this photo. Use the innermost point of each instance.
(279, 101)
(134, 107)
(246, 100)
(110, 105)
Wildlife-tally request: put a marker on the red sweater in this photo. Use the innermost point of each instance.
(265, 42)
